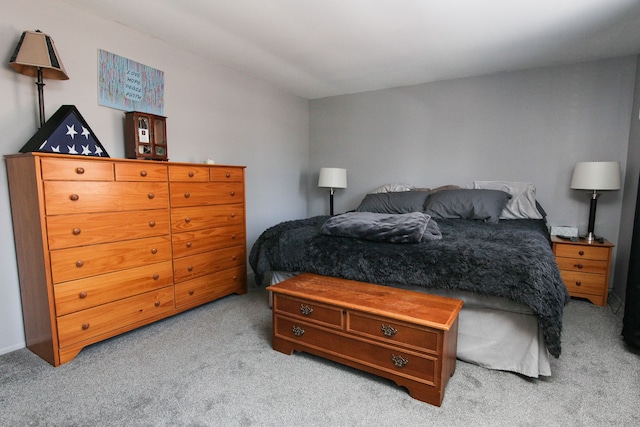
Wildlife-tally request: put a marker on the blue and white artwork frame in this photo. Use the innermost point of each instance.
(127, 85)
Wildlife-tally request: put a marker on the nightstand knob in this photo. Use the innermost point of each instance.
(297, 331)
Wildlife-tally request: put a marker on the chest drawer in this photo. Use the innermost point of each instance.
(207, 263)
(148, 171)
(69, 197)
(76, 170)
(206, 288)
(582, 265)
(188, 173)
(76, 263)
(226, 174)
(87, 324)
(89, 229)
(405, 363)
(381, 329)
(326, 315)
(201, 217)
(93, 291)
(194, 242)
(200, 193)
(582, 252)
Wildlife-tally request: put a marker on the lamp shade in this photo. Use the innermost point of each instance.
(34, 51)
(332, 178)
(596, 176)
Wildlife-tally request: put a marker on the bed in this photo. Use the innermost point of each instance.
(488, 245)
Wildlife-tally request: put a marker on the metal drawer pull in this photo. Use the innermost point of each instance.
(388, 330)
(305, 309)
(297, 331)
(399, 361)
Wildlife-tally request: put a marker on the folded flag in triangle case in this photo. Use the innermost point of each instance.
(66, 132)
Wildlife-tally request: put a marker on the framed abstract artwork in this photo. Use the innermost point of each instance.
(66, 132)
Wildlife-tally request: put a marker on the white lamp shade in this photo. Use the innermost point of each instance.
(596, 176)
(332, 178)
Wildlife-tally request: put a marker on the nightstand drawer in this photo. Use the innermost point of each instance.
(582, 265)
(583, 283)
(582, 251)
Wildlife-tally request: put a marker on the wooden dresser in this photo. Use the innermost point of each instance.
(107, 245)
(584, 267)
(408, 337)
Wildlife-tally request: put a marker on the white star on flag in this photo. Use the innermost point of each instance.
(71, 131)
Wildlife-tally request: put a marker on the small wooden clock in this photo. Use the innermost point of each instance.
(145, 136)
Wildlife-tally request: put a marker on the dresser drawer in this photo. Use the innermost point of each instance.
(194, 242)
(76, 263)
(206, 263)
(148, 171)
(90, 323)
(583, 283)
(381, 329)
(188, 173)
(67, 231)
(93, 291)
(201, 193)
(211, 286)
(404, 363)
(326, 315)
(582, 265)
(68, 197)
(76, 170)
(226, 174)
(582, 251)
(201, 217)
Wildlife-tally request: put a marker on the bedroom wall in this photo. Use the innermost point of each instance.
(213, 112)
(531, 125)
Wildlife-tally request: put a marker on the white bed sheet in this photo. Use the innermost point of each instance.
(492, 332)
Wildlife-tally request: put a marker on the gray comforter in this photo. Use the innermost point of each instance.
(511, 259)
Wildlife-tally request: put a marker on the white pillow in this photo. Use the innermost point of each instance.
(522, 204)
(392, 188)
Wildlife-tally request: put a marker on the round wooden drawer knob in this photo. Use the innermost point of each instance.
(190, 268)
(579, 266)
(578, 283)
(187, 195)
(233, 237)
(79, 171)
(187, 220)
(152, 223)
(157, 303)
(154, 251)
(156, 276)
(233, 193)
(76, 231)
(74, 197)
(191, 292)
(228, 175)
(82, 295)
(143, 173)
(233, 215)
(581, 253)
(151, 195)
(79, 263)
(189, 244)
(85, 326)
(191, 174)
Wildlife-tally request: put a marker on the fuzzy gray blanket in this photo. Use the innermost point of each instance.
(511, 259)
(393, 228)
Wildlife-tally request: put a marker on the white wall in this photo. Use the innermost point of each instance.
(529, 125)
(213, 112)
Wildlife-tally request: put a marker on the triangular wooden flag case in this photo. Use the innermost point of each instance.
(66, 132)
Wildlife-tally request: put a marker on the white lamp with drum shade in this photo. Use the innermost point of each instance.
(332, 178)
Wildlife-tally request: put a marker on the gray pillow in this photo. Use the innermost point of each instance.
(484, 205)
(393, 203)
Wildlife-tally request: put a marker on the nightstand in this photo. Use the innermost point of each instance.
(584, 267)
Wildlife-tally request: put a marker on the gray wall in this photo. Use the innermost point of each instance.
(529, 125)
(213, 112)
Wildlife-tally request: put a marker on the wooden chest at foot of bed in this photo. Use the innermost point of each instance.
(407, 337)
